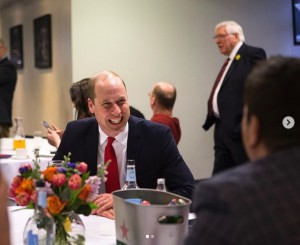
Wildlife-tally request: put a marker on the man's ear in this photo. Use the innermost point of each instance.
(152, 100)
(254, 136)
(91, 105)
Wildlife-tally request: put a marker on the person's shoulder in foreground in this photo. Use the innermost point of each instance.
(258, 203)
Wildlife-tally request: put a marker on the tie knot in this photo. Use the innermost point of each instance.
(110, 140)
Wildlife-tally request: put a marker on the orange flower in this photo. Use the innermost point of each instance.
(55, 205)
(48, 173)
(84, 194)
(25, 186)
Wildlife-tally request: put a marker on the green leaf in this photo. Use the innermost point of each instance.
(84, 209)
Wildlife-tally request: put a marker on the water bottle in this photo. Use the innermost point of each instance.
(161, 184)
(40, 228)
(130, 181)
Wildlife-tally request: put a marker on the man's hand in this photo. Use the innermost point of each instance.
(105, 206)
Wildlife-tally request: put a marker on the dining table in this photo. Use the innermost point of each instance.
(98, 230)
(10, 162)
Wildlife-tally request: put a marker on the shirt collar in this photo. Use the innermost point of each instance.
(121, 137)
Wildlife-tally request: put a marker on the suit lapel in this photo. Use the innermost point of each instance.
(233, 64)
(134, 144)
(92, 142)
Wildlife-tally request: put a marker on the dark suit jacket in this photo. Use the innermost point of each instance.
(230, 96)
(8, 79)
(151, 145)
(257, 203)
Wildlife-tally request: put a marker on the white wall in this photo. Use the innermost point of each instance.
(42, 94)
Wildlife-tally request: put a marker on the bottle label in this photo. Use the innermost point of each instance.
(42, 199)
(32, 239)
(130, 175)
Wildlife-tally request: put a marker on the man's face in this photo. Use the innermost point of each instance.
(2, 51)
(110, 105)
(225, 42)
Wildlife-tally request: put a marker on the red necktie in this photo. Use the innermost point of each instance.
(218, 79)
(113, 181)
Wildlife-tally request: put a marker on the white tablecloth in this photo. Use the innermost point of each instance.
(98, 230)
(10, 166)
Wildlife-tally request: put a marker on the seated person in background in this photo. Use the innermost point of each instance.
(162, 100)
(79, 96)
(151, 145)
(4, 231)
(258, 202)
(135, 112)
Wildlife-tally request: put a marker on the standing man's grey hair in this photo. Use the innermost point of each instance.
(232, 27)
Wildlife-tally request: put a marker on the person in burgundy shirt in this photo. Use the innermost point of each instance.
(162, 100)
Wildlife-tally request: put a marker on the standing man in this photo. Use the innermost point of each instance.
(162, 100)
(258, 203)
(225, 104)
(8, 79)
(150, 144)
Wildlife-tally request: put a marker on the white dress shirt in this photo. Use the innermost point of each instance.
(120, 147)
(215, 97)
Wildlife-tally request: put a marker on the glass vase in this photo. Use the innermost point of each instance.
(70, 229)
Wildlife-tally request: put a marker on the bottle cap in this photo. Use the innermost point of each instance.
(40, 183)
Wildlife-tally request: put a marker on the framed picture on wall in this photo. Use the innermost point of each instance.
(296, 21)
(42, 41)
(16, 46)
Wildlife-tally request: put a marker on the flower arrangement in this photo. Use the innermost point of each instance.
(69, 189)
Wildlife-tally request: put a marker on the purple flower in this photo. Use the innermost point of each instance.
(94, 182)
(71, 165)
(61, 170)
(25, 168)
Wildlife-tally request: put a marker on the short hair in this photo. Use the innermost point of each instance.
(232, 27)
(102, 76)
(165, 99)
(272, 93)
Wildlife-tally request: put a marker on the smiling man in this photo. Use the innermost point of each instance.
(151, 145)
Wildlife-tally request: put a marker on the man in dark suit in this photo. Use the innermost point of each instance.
(259, 202)
(8, 79)
(226, 100)
(151, 145)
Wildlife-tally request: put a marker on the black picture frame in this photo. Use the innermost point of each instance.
(42, 41)
(296, 21)
(16, 46)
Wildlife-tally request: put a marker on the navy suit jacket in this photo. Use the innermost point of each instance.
(150, 144)
(256, 203)
(230, 96)
(8, 79)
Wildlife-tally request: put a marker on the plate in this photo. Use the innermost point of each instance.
(46, 155)
(20, 157)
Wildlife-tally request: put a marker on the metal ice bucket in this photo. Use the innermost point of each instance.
(157, 224)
